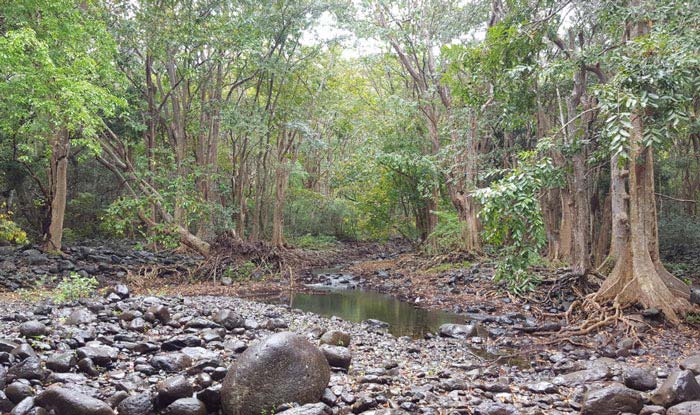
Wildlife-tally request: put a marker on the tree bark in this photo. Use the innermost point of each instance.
(638, 277)
(58, 174)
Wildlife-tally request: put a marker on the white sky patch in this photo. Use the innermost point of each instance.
(326, 29)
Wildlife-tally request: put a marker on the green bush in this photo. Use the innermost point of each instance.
(447, 236)
(678, 232)
(75, 287)
(311, 213)
(241, 272)
(313, 242)
(10, 232)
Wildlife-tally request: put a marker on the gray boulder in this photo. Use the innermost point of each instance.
(612, 400)
(282, 368)
(459, 331)
(337, 356)
(681, 386)
(33, 328)
(691, 363)
(141, 404)
(308, 409)
(336, 338)
(186, 406)
(685, 408)
(639, 379)
(68, 401)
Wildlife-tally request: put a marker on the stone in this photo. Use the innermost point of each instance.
(337, 356)
(29, 368)
(282, 368)
(211, 397)
(88, 367)
(171, 362)
(691, 363)
(7, 345)
(33, 328)
(229, 319)
(101, 355)
(612, 400)
(114, 400)
(61, 362)
(18, 391)
(374, 323)
(336, 338)
(308, 409)
(141, 404)
(653, 410)
(496, 408)
(172, 389)
(161, 312)
(199, 323)
(639, 379)
(121, 290)
(458, 331)
(180, 342)
(542, 387)
(695, 295)
(68, 401)
(582, 376)
(6, 404)
(186, 406)
(24, 407)
(685, 408)
(681, 386)
(23, 351)
(80, 316)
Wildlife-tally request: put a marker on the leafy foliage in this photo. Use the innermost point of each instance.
(10, 232)
(512, 217)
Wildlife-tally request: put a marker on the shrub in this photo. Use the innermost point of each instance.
(10, 231)
(75, 287)
(447, 236)
(314, 242)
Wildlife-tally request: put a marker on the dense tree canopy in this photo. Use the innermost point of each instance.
(537, 131)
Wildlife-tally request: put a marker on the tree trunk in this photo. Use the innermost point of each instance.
(58, 175)
(638, 277)
(281, 177)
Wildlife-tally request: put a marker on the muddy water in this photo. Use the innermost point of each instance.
(356, 305)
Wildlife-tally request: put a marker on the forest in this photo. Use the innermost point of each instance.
(536, 159)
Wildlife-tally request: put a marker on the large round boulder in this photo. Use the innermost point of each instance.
(282, 368)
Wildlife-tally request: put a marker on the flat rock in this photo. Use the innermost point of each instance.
(141, 404)
(612, 400)
(639, 379)
(186, 406)
(681, 386)
(458, 331)
(70, 402)
(308, 409)
(691, 363)
(685, 408)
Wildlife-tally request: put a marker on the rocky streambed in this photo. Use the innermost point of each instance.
(145, 355)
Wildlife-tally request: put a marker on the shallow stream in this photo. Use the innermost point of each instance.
(357, 305)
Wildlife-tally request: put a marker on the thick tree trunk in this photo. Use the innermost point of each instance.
(551, 215)
(638, 277)
(566, 227)
(58, 175)
(581, 260)
(601, 245)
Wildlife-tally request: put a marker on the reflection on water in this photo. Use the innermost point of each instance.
(356, 305)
